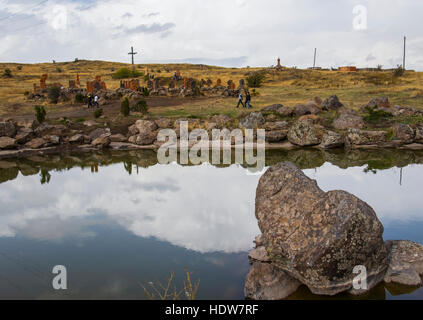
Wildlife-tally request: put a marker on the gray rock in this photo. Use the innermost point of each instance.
(305, 133)
(331, 103)
(301, 109)
(379, 102)
(276, 135)
(36, 143)
(276, 125)
(405, 263)
(404, 132)
(315, 236)
(99, 132)
(253, 120)
(145, 126)
(364, 137)
(102, 141)
(419, 134)
(348, 119)
(331, 139)
(24, 135)
(118, 138)
(143, 139)
(7, 129)
(7, 143)
(267, 282)
(163, 123)
(77, 138)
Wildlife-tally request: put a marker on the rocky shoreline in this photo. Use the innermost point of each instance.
(286, 128)
(316, 238)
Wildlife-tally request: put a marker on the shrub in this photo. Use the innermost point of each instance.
(53, 94)
(59, 70)
(26, 93)
(399, 71)
(146, 92)
(125, 73)
(7, 73)
(98, 113)
(147, 77)
(124, 107)
(141, 106)
(374, 115)
(255, 80)
(19, 68)
(79, 98)
(40, 114)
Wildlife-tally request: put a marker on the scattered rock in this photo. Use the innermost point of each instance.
(90, 123)
(77, 138)
(276, 135)
(404, 133)
(99, 132)
(36, 143)
(331, 139)
(267, 282)
(364, 137)
(285, 111)
(221, 120)
(118, 138)
(348, 119)
(145, 126)
(52, 139)
(419, 134)
(273, 107)
(7, 129)
(301, 109)
(405, 263)
(331, 103)
(305, 133)
(259, 254)
(318, 237)
(102, 141)
(253, 120)
(163, 123)
(7, 143)
(24, 135)
(276, 125)
(143, 139)
(27, 123)
(379, 102)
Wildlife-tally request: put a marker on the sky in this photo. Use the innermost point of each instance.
(230, 33)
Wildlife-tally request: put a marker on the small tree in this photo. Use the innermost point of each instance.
(40, 113)
(399, 71)
(53, 94)
(141, 106)
(124, 107)
(255, 80)
(146, 92)
(98, 113)
(7, 73)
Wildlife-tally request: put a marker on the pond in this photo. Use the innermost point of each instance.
(119, 221)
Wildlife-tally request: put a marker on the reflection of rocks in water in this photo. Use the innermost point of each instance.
(8, 174)
(305, 158)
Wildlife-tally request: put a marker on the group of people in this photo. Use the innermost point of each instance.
(92, 101)
(247, 103)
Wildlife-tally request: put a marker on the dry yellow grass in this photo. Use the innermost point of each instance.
(287, 87)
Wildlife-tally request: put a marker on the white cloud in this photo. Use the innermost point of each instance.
(216, 31)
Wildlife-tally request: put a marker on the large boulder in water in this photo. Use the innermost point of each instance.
(318, 237)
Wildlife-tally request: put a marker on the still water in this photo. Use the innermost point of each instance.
(118, 221)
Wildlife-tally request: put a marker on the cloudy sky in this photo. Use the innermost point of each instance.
(220, 32)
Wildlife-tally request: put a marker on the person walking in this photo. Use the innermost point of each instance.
(248, 100)
(240, 101)
(96, 101)
(90, 101)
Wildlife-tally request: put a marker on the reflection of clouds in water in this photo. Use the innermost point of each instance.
(201, 208)
(382, 191)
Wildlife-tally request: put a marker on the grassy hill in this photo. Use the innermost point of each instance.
(287, 87)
